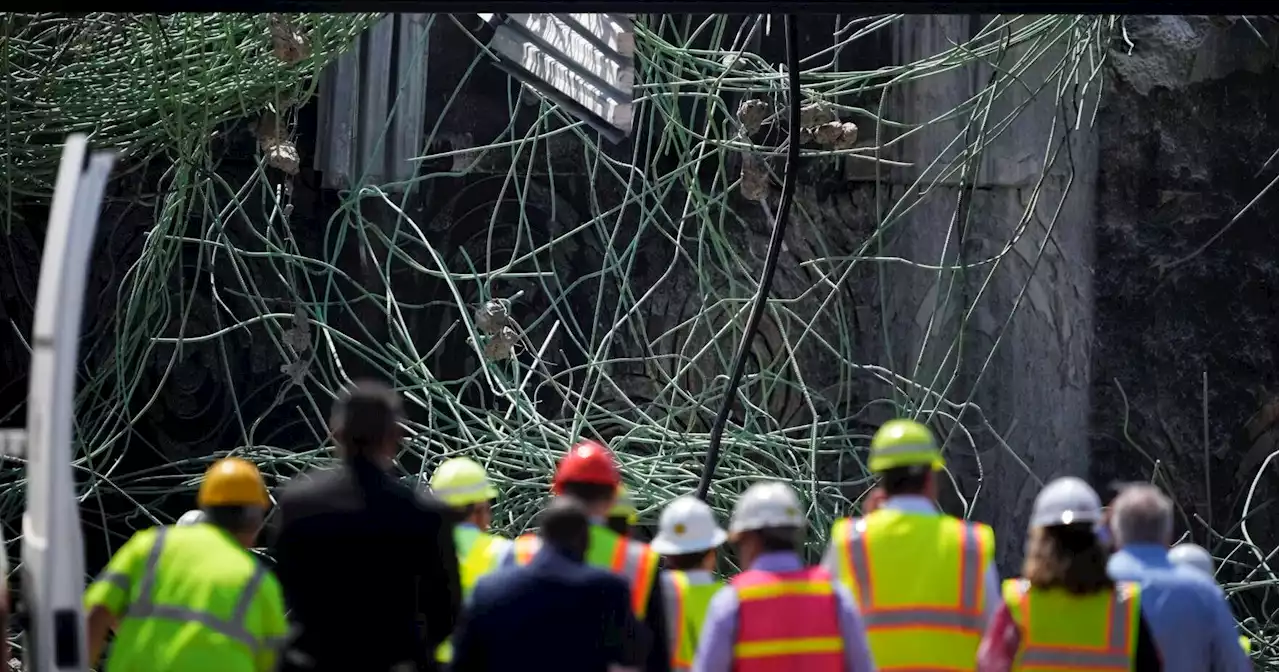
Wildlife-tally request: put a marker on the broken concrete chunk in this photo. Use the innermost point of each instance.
(752, 113)
(287, 42)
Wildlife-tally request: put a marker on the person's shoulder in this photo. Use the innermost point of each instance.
(271, 589)
(308, 485)
(600, 576)
(492, 584)
(429, 503)
(604, 582)
(1192, 580)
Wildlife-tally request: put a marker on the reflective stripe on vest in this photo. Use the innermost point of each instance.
(1069, 633)
(683, 627)
(787, 621)
(631, 560)
(233, 628)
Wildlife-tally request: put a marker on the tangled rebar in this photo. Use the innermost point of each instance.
(557, 313)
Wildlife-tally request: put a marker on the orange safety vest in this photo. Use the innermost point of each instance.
(787, 621)
(631, 560)
(919, 583)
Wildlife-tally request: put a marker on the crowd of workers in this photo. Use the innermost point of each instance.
(372, 574)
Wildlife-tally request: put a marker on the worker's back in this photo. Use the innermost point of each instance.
(688, 596)
(919, 580)
(197, 601)
(633, 561)
(550, 613)
(1187, 612)
(1059, 630)
(360, 556)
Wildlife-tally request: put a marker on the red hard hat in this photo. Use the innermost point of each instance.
(587, 462)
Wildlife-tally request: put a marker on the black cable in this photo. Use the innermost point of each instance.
(780, 221)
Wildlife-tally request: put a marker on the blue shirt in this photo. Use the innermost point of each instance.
(1186, 611)
(715, 644)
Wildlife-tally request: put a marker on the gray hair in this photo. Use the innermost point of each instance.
(1141, 514)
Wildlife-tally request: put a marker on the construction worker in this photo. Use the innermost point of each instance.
(1193, 556)
(1065, 614)
(193, 597)
(589, 474)
(924, 581)
(687, 540)
(778, 615)
(462, 484)
(624, 515)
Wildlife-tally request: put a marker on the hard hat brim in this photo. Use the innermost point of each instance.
(879, 466)
(1066, 518)
(487, 495)
(263, 502)
(667, 546)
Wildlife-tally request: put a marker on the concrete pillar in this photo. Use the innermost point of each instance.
(1028, 373)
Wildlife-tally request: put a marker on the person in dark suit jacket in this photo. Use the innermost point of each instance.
(367, 564)
(555, 613)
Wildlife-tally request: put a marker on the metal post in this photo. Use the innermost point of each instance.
(52, 548)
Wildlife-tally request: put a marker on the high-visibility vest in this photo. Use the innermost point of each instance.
(478, 554)
(687, 597)
(787, 621)
(632, 560)
(919, 582)
(1244, 644)
(1062, 632)
(200, 602)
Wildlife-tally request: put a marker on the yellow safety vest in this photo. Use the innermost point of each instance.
(686, 598)
(1062, 632)
(632, 560)
(478, 554)
(199, 601)
(919, 581)
(1244, 644)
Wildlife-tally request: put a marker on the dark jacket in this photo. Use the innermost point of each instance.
(368, 568)
(654, 631)
(553, 614)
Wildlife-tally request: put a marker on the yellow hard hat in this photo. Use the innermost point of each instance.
(624, 505)
(461, 481)
(232, 482)
(904, 443)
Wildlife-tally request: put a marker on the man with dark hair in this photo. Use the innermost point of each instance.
(917, 573)
(368, 564)
(553, 613)
(589, 473)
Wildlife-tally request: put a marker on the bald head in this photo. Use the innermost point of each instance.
(1141, 514)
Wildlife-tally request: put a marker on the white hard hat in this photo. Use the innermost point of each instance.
(687, 526)
(1066, 501)
(764, 505)
(192, 517)
(1192, 555)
